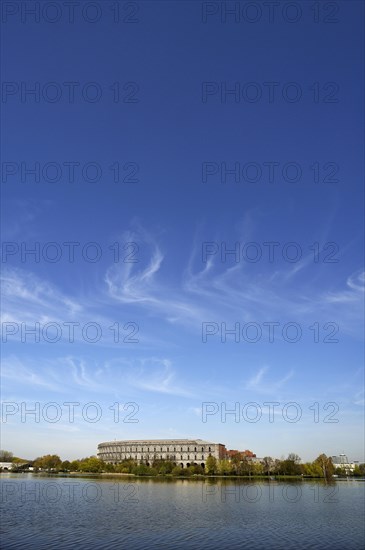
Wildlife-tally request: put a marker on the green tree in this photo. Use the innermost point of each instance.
(52, 462)
(196, 469)
(91, 464)
(359, 470)
(178, 471)
(245, 467)
(211, 465)
(291, 466)
(74, 465)
(258, 469)
(326, 465)
(66, 465)
(277, 466)
(6, 456)
(268, 465)
(236, 460)
(141, 470)
(18, 460)
(294, 458)
(312, 469)
(163, 466)
(224, 467)
(48, 462)
(126, 466)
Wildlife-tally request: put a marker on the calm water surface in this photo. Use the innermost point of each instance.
(68, 513)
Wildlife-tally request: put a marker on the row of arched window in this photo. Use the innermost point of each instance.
(173, 457)
(137, 450)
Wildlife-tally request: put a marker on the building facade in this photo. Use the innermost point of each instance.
(341, 461)
(183, 452)
(6, 465)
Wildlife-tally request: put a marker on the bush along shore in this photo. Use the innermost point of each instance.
(237, 466)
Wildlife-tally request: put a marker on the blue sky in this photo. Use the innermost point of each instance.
(298, 180)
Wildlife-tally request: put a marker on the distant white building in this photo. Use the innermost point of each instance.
(341, 461)
(6, 465)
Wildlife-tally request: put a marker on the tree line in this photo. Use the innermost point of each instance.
(238, 465)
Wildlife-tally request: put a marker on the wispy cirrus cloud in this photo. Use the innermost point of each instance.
(26, 374)
(210, 291)
(254, 382)
(359, 398)
(151, 374)
(129, 283)
(26, 297)
(72, 375)
(355, 286)
(261, 383)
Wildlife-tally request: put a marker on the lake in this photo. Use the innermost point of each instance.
(117, 513)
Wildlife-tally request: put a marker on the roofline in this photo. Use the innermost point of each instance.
(121, 441)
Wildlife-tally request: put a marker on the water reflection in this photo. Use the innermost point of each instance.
(95, 512)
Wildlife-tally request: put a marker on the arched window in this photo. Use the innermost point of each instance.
(210, 449)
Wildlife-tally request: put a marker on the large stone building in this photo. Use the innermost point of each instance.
(183, 452)
(341, 461)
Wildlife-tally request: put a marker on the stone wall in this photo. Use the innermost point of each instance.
(181, 451)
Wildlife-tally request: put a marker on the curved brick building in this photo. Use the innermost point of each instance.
(182, 451)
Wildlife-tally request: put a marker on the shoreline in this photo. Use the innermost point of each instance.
(168, 477)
